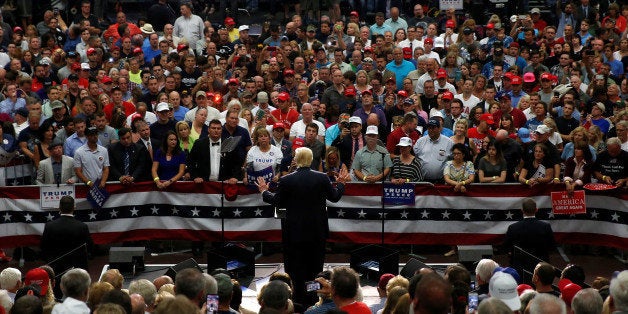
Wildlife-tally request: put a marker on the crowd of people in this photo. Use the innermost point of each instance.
(408, 98)
(492, 290)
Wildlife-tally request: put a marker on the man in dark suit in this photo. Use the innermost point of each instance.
(532, 235)
(350, 141)
(66, 241)
(206, 159)
(129, 162)
(303, 194)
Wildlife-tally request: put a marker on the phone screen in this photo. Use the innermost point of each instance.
(312, 286)
(473, 301)
(212, 303)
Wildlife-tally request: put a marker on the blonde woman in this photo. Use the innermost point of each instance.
(555, 136)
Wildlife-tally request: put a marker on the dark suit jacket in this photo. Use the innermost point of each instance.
(579, 13)
(303, 194)
(532, 235)
(140, 164)
(345, 148)
(63, 235)
(199, 162)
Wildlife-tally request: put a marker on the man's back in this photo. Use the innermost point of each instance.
(63, 235)
(304, 193)
(532, 235)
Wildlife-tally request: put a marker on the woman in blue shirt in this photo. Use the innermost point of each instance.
(168, 162)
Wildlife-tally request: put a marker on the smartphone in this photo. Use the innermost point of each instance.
(522, 17)
(212, 303)
(473, 302)
(312, 286)
(55, 12)
(20, 93)
(260, 114)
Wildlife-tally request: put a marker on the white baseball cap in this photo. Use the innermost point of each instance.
(355, 119)
(504, 287)
(372, 129)
(162, 106)
(405, 141)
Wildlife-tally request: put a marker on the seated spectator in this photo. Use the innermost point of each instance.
(547, 303)
(75, 286)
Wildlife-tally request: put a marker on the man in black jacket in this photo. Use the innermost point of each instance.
(303, 194)
(66, 241)
(206, 161)
(128, 162)
(530, 234)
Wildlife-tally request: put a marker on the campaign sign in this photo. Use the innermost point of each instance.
(395, 194)
(446, 4)
(97, 196)
(564, 204)
(50, 195)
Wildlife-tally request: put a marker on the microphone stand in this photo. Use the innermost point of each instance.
(383, 193)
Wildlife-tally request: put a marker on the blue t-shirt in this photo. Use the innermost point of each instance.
(168, 168)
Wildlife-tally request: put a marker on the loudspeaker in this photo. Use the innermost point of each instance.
(412, 266)
(189, 263)
(374, 261)
(127, 259)
(474, 253)
(236, 258)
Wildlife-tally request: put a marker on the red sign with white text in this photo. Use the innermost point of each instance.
(564, 204)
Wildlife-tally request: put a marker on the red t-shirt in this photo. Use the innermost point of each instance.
(356, 308)
(395, 136)
(129, 109)
(286, 118)
(518, 117)
(477, 137)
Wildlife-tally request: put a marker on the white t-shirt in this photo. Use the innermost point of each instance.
(298, 129)
(262, 160)
(469, 103)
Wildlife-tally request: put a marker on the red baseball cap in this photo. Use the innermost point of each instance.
(181, 47)
(279, 125)
(407, 52)
(447, 95)
(354, 13)
(428, 40)
(516, 80)
(508, 75)
(441, 73)
(39, 277)
(350, 91)
(546, 76)
(229, 21)
(106, 80)
(283, 96)
(233, 81)
(91, 51)
(298, 143)
(288, 72)
(137, 51)
(514, 44)
(488, 118)
(402, 93)
(76, 66)
(367, 91)
(450, 24)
